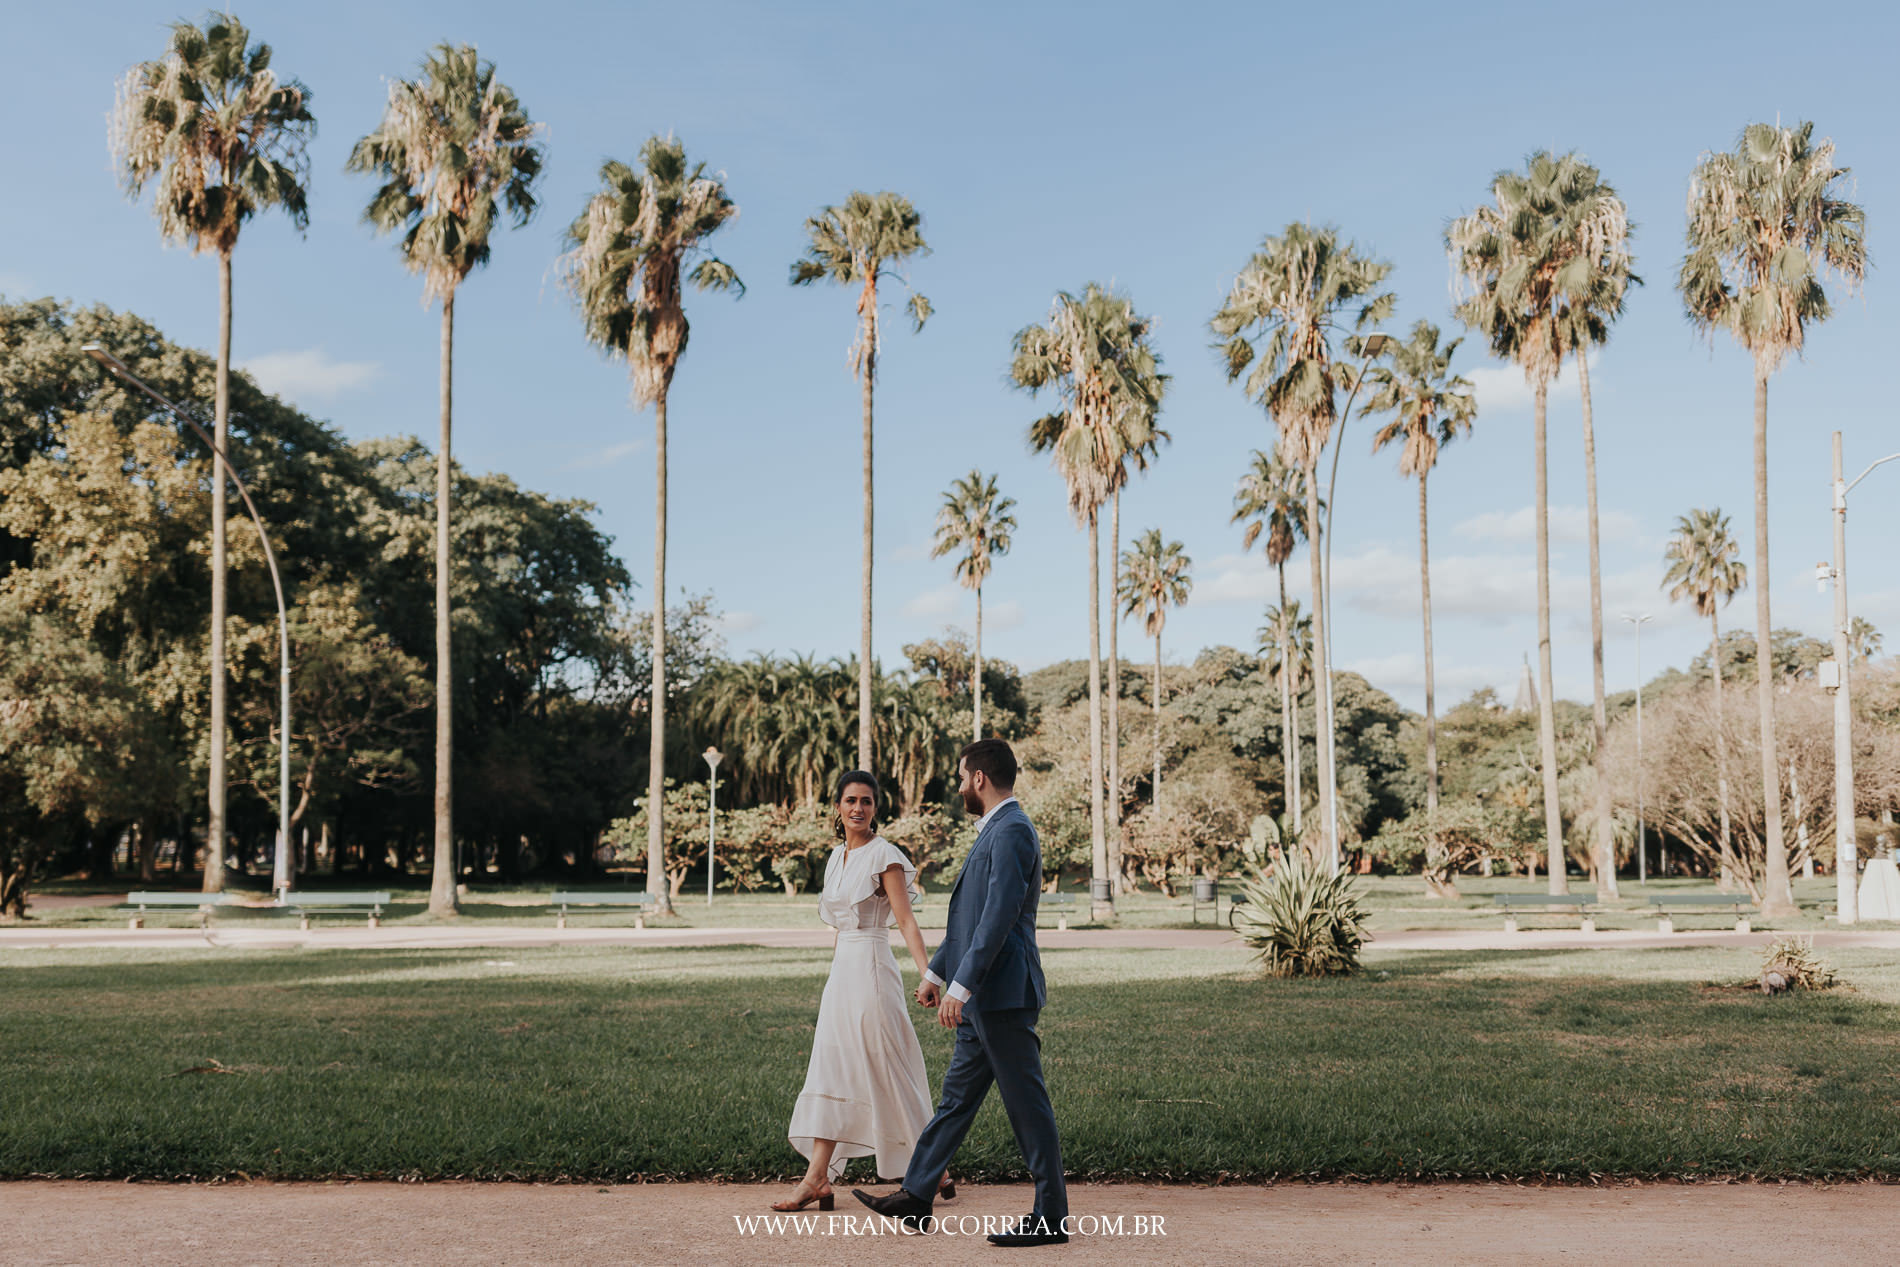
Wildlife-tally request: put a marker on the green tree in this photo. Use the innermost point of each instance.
(1154, 577)
(1863, 640)
(859, 243)
(1525, 265)
(629, 253)
(1766, 222)
(1099, 357)
(455, 150)
(1292, 294)
(1431, 407)
(974, 523)
(219, 137)
(1271, 501)
(1705, 568)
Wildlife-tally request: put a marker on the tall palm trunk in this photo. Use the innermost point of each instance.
(1157, 797)
(214, 798)
(1546, 712)
(1721, 751)
(1098, 838)
(1425, 603)
(976, 677)
(1323, 741)
(1606, 839)
(868, 312)
(656, 713)
(1114, 697)
(442, 876)
(1778, 895)
(1290, 714)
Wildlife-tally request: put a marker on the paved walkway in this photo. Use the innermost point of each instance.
(522, 935)
(462, 1225)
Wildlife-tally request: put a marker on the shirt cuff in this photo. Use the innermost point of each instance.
(933, 978)
(959, 992)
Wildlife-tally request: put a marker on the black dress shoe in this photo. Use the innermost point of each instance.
(1031, 1229)
(898, 1205)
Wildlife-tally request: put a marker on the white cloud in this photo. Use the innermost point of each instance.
(1002, 617)
(731, 623)
(309, 374)
(910, 552)
(1403, 673)
(16, 286)
(1569, 525)
(1504, 389)
(941, 603)
(607, 456)
(1246, 578)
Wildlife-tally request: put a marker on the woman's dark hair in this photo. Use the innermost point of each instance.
(851, 777)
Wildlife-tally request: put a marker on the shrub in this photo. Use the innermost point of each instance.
(1304, 921)
(1790, 963)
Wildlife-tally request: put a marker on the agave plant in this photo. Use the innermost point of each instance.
(1304, 920)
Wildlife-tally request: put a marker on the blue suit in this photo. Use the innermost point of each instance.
(989, 947)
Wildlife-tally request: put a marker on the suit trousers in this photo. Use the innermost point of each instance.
(1000, 1047)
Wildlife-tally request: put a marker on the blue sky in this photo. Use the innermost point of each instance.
(1047, 145)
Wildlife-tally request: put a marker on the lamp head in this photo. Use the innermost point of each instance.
(1823, 573)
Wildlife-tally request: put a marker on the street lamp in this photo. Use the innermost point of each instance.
(1845, 868)
(280, 870)
(713, 758)
(1642, 830)
(1371, 348)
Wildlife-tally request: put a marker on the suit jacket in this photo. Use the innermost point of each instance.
(989, 942)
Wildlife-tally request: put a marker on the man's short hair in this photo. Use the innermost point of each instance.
(993, 759)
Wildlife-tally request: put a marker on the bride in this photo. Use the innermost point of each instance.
(865, 1090)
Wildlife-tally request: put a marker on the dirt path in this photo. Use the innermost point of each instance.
(467, 1224)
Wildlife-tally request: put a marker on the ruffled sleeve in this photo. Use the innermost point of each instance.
(886, 856)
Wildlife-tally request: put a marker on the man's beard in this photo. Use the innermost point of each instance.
(972, 804)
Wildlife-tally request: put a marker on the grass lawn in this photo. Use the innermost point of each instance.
(1397, 903)
(597, 1064)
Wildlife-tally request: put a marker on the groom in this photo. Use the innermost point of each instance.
(995, 991)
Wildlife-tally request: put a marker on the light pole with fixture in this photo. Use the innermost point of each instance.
(1371, 349)
(280, 870)
(713, 758)
(1642, 829)
(1846, 868)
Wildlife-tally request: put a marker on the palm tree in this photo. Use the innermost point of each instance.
(1523, 265)
(1099, 356)
(1294, 290)
(1594, 288)
(455, 149)
(1286, 641)
(1863, 640)
(1431, 407)
(1154, 578)
(1765, 223)
(628, 251)
(1116, 830)
(860, 243)
(1705, 567)
(220, 137)
(975, 520)
(1271, 500)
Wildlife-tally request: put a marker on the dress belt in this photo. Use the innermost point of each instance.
(866, 934)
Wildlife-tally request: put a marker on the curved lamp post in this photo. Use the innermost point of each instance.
(1845, 866)
(713, 758)
(280, 870)
(1372, 349)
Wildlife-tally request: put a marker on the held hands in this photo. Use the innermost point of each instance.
(950, 1012)
(927, 994)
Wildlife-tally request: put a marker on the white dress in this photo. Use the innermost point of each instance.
(865, 1086)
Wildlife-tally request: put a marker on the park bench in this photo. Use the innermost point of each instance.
(1063, 903)
(308, 904)
(609, 897)
(1736, 902)
(1581, 903)
(198, 902)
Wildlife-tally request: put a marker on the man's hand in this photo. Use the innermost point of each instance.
(950, 1012)
(927, 994)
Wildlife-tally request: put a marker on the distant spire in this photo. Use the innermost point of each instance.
(1526, 701)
